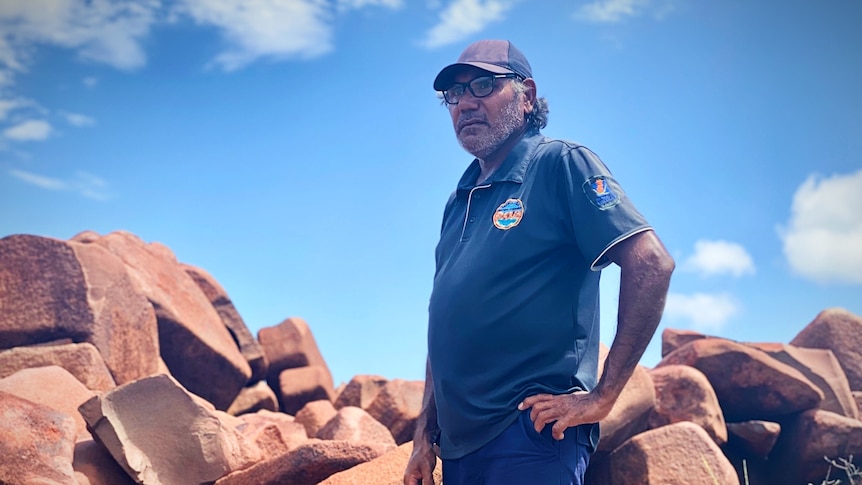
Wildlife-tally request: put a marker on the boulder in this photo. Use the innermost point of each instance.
(315, 414)
(385, 470)
(291, 433)
(97, 466)
(755, 438)
(749, 383)
(672, 339)
(290, 344)
(159, 434)
(309, 463)
(683, 393)
(248, 346)
(354, 424)
(840, 331)
(631, 412)
(677, 454)
(56, 289)
(360, 391)
(195, 344)
(81, 360)
(40, 451)
(397, 406)
(301, 385)
(254, 398)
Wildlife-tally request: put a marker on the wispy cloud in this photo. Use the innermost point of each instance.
(610, 11)
(357, 4)
(463, 18)
(823, 237)
(82, 183)
(712, 258)
(706, 312)
(78, 120)
(30, 130)
(90, 81)
(274, 29)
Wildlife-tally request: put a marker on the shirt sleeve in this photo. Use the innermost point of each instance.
(599, 211)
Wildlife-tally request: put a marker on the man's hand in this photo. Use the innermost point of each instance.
(568, 410)
(420, 467)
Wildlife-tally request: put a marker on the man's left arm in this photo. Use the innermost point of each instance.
(645, 270)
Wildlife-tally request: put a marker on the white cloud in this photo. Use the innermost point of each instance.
(357, 4)
(265, 28)
(610, 11)
(823, 239)
(78, 120)
(31, 130)
(719, 257)
(90, 81)
(706, 312)
(463, 18)
(83, 183)
(9, 105)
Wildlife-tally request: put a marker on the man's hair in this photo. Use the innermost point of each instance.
(538, 118)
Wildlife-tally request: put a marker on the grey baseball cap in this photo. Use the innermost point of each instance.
(494, 56)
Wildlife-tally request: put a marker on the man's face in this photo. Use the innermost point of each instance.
(483, 125)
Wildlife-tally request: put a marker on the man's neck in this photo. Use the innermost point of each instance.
(492, 162)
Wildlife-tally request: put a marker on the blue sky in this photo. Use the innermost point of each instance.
(296, 150)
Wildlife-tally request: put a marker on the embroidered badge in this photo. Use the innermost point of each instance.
(508, 214)
(599, 191)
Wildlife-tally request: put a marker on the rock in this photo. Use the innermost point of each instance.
(309, 463)
(676, 454)
(254, 398)
(857, 396)
(749, 383)
(840, 331)
(631, 412)
(360, 391)
(55, 289)
(756, 438)
(821, 368)
(385, 470)
(97, 466)
(683, 393)
(805, 439)
(219, 299)
(195, 344)
(315, 414)
(301, 385)
(291, 432)
(81, 360)
(53, 387)
(672, 339)
(159, 434)
(354, 424)
(289, 345)
(397, 406)
(40, 451)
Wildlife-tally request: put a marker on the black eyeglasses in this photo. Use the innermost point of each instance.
(479, 87)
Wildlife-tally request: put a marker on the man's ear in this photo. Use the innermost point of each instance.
(529, 95)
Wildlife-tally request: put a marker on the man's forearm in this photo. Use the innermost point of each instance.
(426, 423)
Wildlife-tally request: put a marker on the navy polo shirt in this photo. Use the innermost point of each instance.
(514, 310)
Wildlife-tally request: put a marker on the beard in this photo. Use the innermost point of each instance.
(485, 144)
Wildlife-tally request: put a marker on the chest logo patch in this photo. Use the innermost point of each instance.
(508, 214)
(600, 192)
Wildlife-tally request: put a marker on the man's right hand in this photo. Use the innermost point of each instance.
(420, 466)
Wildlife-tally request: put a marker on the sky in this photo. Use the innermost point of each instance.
(296, 150)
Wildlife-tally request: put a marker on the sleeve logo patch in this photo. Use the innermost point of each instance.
(508, 214)
(601, 193)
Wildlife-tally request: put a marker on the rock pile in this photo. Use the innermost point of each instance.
(121, 365)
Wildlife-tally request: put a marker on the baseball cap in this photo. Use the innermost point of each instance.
(494, 56)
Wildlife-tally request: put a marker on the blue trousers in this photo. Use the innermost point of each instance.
(520, 455)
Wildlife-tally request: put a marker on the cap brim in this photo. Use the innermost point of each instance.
(447, 76)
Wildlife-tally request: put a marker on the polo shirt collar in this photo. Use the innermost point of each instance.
(513, 167)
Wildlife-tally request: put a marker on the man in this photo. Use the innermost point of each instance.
(513, 336)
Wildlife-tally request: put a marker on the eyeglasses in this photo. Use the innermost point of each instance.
(479, 87)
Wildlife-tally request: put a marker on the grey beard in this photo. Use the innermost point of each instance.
(484, 145)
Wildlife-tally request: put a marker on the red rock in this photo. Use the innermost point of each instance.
(840, 331)
(217, 295)
(97, 466)
(254, 398)
(672, 339)
(314, 415)
(360, 391)
(38, 443)
(755, 438)
(55, 289)
(683, 393)
(397, 406)
(309, 463)
(749, 383)
(289, 345)
(159, 434)
(798, 456)
(195, 345)
(676, 454)
(385, 470)
(301, 385)
(630, 414)
(81, 360)
(291, 432)
(52, 387)
(354, 424)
